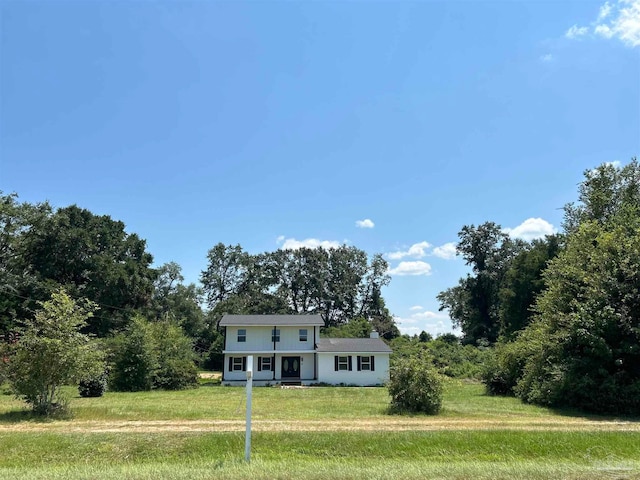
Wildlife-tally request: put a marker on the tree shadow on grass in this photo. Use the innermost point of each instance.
(24, 415)
(594, 417)
(574, 412)
(17, 416)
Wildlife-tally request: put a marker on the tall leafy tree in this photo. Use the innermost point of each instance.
(92, 256)
(604, 191)
(474, 303)
(18, 284)
(581, 349)
(589, 323)
(176, 302)
(587, 330)
(523, 282)
(226, 272)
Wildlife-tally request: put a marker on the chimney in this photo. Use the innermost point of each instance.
(374, 334)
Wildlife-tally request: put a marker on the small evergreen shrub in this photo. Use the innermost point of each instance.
(415, 386)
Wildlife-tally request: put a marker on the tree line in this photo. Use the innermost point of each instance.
(563, 312)
(93, 257)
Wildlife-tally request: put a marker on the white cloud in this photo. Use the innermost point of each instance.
(416, 308)
(547, 58)
(531, 229)
(603, 31)
(605, 10)
(425, 315)
(620, 20)
(417, 250)
(366, 223)
(576, 32)
(626, 26)
(430, 322)
(411, 268)
(446, 251)
(293, 244)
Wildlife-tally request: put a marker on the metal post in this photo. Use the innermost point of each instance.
(247, 439)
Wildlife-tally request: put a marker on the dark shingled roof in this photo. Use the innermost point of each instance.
(271, 320)
(347, 345)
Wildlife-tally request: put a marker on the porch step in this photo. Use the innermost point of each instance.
(291, 383)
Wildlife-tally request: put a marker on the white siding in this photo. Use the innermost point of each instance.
(290, 339)
(258, 339)
(328, 374)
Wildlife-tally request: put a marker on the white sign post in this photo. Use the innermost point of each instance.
(247, 440)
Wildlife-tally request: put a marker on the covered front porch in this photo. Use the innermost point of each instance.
(271, 368)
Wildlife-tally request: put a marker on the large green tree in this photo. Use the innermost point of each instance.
(92, 256)
(176, 302)
(587, 331)
(226, 272)
(523, 282)
(18, 283)
(604, 192)
(473, 304)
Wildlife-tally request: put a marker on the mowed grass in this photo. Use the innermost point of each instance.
(228, 403)
(609, 448)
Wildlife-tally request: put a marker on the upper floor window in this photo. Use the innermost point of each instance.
(242, 335)
(303, 334)
(275, 335)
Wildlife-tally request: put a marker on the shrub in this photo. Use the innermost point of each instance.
(134, 358)
(506, 366)
(149, 356)
(175, 369)
(51, 353)
(415, 386)
(450, 358)
(93, 386)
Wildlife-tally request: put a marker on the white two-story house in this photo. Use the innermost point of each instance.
(288, 349)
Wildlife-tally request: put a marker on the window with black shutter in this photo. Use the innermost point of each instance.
(237, 364)
(342, 363)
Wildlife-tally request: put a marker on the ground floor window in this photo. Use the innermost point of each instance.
(366, 363)
(265, 363)
(342, 363)
(237, 364)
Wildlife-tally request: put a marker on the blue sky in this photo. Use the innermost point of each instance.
(277, 124)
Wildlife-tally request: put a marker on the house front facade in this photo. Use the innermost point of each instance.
(288, 349)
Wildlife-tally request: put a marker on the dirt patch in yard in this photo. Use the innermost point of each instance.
(391, 423)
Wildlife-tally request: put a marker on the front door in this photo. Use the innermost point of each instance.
(290, 367)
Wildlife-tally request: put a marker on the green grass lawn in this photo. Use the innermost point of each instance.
(313, 433)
